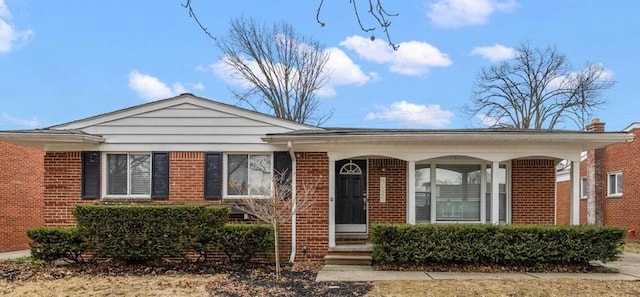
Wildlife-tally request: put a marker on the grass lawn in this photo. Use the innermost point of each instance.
(205, 285)
(510, 288)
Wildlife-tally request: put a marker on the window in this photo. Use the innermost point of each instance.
(455, 191)
(128, 175)
(614, 184)
(249, 174)
(583, 188)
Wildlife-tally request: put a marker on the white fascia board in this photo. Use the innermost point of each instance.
(50, 137)
(120, 147)
(181, 99)
(585, 140)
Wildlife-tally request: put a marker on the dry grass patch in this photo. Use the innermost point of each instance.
(510, 288)
(632, 247)
(163, 285)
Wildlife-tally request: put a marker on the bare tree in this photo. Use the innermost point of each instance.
(538, 89)
(375, 11)
(282, 69)
(277, 206)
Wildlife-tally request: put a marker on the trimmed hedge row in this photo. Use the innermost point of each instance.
(139, 233)
(489, 244)
(135, 233)
(53, 243)
(243, 242)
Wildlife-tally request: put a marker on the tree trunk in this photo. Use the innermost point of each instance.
(277, 250)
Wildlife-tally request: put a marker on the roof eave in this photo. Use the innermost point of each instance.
(590, 140)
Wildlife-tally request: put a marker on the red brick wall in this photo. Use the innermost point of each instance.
(186, 177)
(625, 157)
(394, 210)
(62, 187)
(622, 211)
(533, 191)
(313, 169)
(21, 191)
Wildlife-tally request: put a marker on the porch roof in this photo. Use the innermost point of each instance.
(582, 139)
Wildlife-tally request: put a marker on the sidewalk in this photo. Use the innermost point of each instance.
(628, 270)
(14, 254)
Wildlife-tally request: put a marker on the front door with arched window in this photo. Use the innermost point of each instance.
(351, 196)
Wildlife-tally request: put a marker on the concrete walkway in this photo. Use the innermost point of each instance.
(14, 254)
(628, 270)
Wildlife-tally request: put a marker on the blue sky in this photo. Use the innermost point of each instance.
(65, 60)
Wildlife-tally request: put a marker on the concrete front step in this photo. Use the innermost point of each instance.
(339, 259)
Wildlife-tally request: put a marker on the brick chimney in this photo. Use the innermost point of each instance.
(595, 190)
(595, 126)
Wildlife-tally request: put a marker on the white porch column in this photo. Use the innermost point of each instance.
(495, 193)
(332, 203)
(483, 194)
(411, 189)
(574, 207)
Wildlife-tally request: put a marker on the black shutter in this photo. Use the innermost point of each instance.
(90, 175)
(213, 175)
(282, 163)
(160, 175)
(282, 167)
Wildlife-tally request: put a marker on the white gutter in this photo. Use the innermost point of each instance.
(294, 211)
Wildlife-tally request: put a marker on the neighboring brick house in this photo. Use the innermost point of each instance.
(21, 192)
(610, 183)
(188, 149)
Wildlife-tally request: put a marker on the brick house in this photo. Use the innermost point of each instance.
(21, 192)
(609, 183)
(188, 149)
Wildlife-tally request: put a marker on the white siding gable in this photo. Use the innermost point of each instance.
(184, 123)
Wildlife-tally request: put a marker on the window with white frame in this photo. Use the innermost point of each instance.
(614, 184)
(128, 175)
(458, 191)
(249, 174)
(583, 188)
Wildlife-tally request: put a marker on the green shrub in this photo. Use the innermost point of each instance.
(243, 242)
(489, 244)
(140, 233)
(54, 243)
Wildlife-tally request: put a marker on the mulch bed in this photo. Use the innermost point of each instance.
(232, 280)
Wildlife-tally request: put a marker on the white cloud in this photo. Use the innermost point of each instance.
(459, 13)
(341, 70)
(494, 53)
(412, 58)
(10, 37)
(29, 123)
(412, 115)
(151, 88)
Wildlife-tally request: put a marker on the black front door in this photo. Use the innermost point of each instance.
(351, 196)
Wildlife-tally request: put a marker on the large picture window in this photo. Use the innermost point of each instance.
(459, 191)
(128, 175)
(249, 174)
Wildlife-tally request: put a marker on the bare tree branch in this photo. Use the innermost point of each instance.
(277, 206)
(280, 68)
(376, 11)
(193, 15)
(538, 90)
